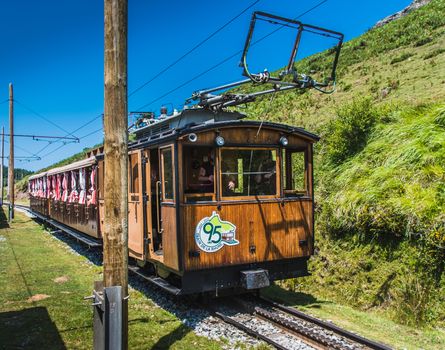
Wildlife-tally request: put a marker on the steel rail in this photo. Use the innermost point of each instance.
(304, 334)
(248, 330)
(326, 325)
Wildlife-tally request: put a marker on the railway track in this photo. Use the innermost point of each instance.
(280, 326)
(286, 328)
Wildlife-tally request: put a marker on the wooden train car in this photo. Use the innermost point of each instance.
(215, 201)
(68, 195)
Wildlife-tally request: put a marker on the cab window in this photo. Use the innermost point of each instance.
(248, 172)
(199, 170)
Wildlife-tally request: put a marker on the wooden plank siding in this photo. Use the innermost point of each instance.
(246, 136)
(275, 229)
(169, 240)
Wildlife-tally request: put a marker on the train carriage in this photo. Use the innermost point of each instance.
(215, 201)
(68, 195)
(250, 223)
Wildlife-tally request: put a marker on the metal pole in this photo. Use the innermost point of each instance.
(111, 330)
(1, 166)
(11, 153)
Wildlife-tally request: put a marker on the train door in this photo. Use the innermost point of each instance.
(135, 206)
(150, 173)
(167, 207)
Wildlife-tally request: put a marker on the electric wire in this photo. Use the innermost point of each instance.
(189, 81)
(23, 149)
(53, 151)
(43, 117)
(91, 133)
(192, 49)
(79, 138)
(224, 60)
(88, 123)
(66, 143)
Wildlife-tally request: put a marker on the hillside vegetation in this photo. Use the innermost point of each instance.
(380, 170)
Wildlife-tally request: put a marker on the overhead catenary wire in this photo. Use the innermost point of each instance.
(79, 138)
(53, 151)
(41, 137)
(66, 143)
(23, 149)
(189, 81)
(88, 123)
(224, 60)
(42, 117)
(192, 49)
(91, 133)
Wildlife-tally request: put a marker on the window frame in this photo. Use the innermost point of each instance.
(256, 196)
(213, 194)
(134, 182)
(162, 150)
(287, 193)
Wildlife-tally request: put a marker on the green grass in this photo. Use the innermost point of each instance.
(397, 178)
(401, 58)
(30, 262)
(370, 324)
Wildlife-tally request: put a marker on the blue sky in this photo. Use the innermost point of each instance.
(52, 51)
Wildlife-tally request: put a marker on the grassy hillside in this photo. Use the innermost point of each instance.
(380, 170)
(380, 224)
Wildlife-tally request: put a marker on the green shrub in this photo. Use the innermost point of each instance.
(413, 298)
(401, 58)
(434, 53)
(423, 41)
(347, 134)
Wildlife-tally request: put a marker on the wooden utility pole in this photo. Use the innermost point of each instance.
(116, 146)
(11, 153)
(115, 235)
(1, 167)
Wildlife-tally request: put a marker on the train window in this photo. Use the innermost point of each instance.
(294, 174)
(101, 176)
(134, 173)
(248, 172)
(167, 175)
(199, 169)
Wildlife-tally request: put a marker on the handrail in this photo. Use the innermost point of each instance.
(158, 194)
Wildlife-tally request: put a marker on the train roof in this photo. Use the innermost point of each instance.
(200, 119)
(72, 166)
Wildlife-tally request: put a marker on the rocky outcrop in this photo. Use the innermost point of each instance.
(413, 6)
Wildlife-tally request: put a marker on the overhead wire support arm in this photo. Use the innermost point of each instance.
(39, 137)
(26, 158)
